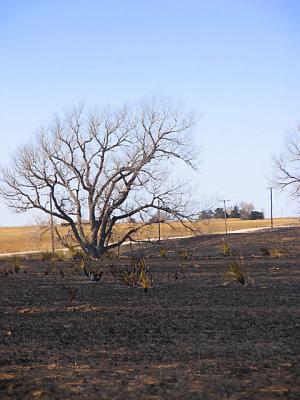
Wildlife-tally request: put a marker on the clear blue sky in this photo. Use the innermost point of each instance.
(236, 63)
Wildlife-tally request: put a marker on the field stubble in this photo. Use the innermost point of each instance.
(37, 238)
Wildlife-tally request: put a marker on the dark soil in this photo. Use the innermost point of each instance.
(187, 337)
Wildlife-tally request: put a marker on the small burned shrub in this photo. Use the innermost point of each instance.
(226, 249)
(162, 252)
(278, 252)
(185, 253)
(273, 251)
(82, 266)
(137, 275)
(129, 278)
(16, 263)
(145, 282)
(89, 269)
(139, 264)
(236, 273)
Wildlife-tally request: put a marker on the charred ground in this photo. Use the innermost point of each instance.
(187, 337)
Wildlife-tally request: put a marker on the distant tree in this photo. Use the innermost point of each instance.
(245, 209)
(206, 214)
(235, 212)
(256, 215)
(219, 213)
(94, 170)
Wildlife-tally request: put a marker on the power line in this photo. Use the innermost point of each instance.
(225, 214)
(271, 201)
(52, 226)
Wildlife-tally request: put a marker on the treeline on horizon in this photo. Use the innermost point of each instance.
(243, 211)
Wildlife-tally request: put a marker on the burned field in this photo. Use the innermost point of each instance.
(183, 335)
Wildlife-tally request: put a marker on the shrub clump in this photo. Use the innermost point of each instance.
(236, 273)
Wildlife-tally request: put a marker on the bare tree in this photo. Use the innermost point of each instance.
(94, 170)
(288, 165)
(245, 209)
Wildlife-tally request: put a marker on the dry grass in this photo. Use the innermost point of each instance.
(33, 238)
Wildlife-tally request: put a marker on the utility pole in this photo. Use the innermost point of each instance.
(225, 214)
(271, 201)
(52, 227)
(158, 217)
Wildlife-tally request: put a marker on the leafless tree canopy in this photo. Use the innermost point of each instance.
(245, 209)
(288, 165)
(103, 168)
